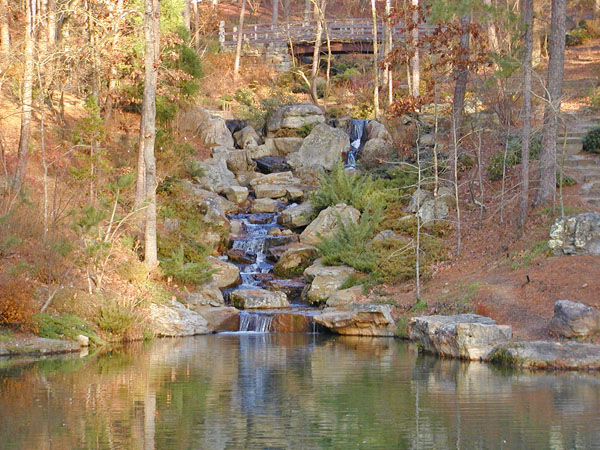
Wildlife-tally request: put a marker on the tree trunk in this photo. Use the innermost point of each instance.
(186, 14)
(538, 31)
(195, 18)
(316, 58)
(526, 135)
(275, 12)
(148, 129)
(491, 30)
(387, 44)
(27, 101)
(4, 28)
(375, 61)
(238, 48)
(414, 60)
(307, 9)
(554, 83)
(287, 5)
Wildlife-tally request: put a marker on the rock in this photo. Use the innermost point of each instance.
(403, 131)
(207, 294)
(37, 346)
(271, 164)
(171, 225)
(292, 323)
(287, 145)
(270, 191)
(387, 235)
(281, 240)
(343, 123)
(220, 319)
(245, 178)
(324, 147)
(226, 275)
(266, 205)
(548, 355)
(446, 195)
(200, 195)
(466, 160)
(237, 160)
(84, 341)
(293, 116)
(325, 280)
(189, 119)
(212, 211)
(292, 288)
(426, 140)
(572, 319)
(326, 224)
(377, 130)
(281, 178)
(417, 199)
(310, 175)
(258, 299)
(267, 149)
(345, 296)
(237, 227)
(294, 260)
(578, 234)
(174, 319)
(234, 125)
(433, 210)
(297, 216)
(298, 193)
(214, 132)
(376, 152)
(467, 336)
(239, 256)
(247, 137)
(237, 194)
(217, 177)
(210, 238)
(359, 320)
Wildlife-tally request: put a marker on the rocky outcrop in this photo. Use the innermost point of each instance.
(226, 274)
(324, 147)
(266, 205)
(287, 145)
(467, 336)
(578, 234)
(418, 197)
(295, 260)
(297, 216)
(237, 194)
(247, 138)
(327, 223)
(345, 297)
(216, 177)
(237, 160)
(214, 132)
(220, 319)
(207, 294)
(548, 355)
(572, 319)
(376, 152)
(433, 210)
(189, 119)
(325, 280)
(377, 130)
(174, 319)
(293, 117)
(258, 299)
(359, 320)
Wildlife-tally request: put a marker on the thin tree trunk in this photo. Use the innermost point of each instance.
(307, 9)
(27, 101)
(415, 59)
(538, 31)
(526, 135)
(554, 83)
(4, 28)
(238, 48)
(275, 12)
(195, 21)
(491, 30)
(151, 63)
(375, 61)
(316, 59)
(387, 48)
(286, 10)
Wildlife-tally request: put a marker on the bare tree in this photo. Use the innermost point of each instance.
(27, 99)
(375, 60)
(307, 10)
(387, 48)
(320, 5)
(4, 27)
(526, 135)
(275, 12)
(414, 60)
(238, 48)
(148, 125)
(554, 82)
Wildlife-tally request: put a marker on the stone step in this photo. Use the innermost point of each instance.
(591, 177)
(571, 163)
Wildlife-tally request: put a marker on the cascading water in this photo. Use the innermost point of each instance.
(253, 321)
(357, 131)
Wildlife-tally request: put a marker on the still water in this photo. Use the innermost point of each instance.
(294, 391)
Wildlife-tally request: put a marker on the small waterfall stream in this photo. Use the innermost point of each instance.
(357, 131)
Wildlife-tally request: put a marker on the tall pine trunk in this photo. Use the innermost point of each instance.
(526, 135)
(554, 83)
(375, 61)
(415, 59)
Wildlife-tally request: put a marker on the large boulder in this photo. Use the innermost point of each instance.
(324, 147)
(345, 296)
(226, 274)
(287, 145)
(270, 191)
(258, 299)
(266, 205)
(297, 216)
(377, 130)
(432, 210)
(375, 152)
(200, 195)
(280, 178)
(403, 131)
(295, 260)
(237, 160)
(189, 119)
(293, 117)
(237, 194)
(174, 319)
(310, 175)
(221, 318)
(214, 132)
(573, 319)
(548, 355)
(327, 223)
(578, 234)
(207, 294)
(216, 177)
(292, 287)
(325, 280)
(247, 137)
(418, 197)
(467, 336)
(359, 320)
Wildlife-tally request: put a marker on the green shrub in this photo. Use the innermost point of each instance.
(577, 36)
(115, 319)
(591, 141)
(513, 155)
(181, 271)
(67, 326)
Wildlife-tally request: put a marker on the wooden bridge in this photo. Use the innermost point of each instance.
(345, 36)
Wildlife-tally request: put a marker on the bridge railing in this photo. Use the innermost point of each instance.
(339, 30)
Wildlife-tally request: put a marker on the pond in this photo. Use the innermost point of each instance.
(289, 391)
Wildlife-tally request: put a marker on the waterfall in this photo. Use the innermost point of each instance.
(357, 130)
(258, 322)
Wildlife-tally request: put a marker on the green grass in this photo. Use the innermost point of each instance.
(67, 326)
(419, 306)
(525, 258)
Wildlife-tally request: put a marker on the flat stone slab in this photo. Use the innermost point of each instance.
(548, 355)
(258, 299)
(37, 346)
(359, 320)
(465, 336)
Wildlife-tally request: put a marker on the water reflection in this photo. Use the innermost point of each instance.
(289, 391)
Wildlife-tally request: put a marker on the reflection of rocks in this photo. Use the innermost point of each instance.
(174, 319)
(359, 320)
(572, 319)
(548, 355)
(466, 336)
